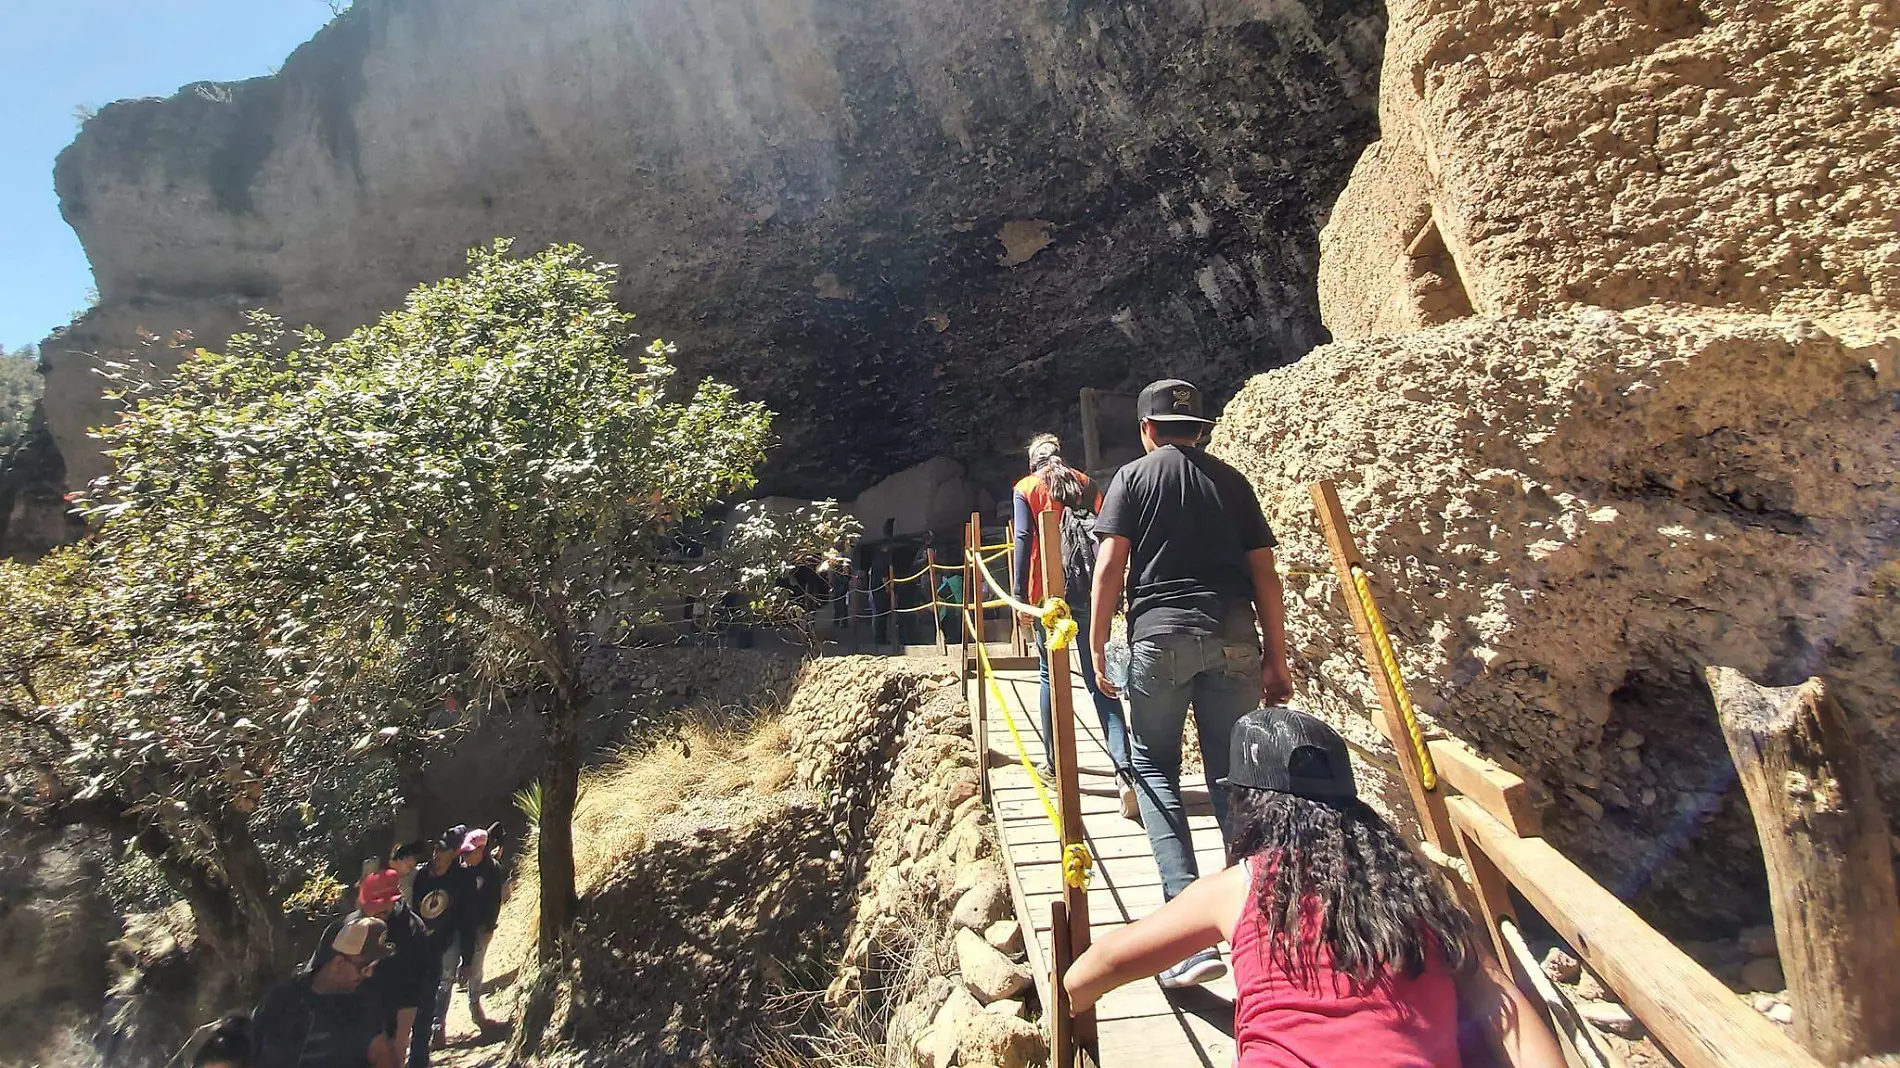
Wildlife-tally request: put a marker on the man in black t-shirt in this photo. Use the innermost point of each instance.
(1186, 534)
(442, 892)
(322, 1017)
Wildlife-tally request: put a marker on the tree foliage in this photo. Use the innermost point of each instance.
(20, 387)
(309, 549)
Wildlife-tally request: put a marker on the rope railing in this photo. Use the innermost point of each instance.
(1389, 666)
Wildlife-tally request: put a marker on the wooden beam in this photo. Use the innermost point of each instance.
(1062, 724)
(1695, 1018)
(1505, 796)
(1830, 870)
(1429, 805)
(1061, 1027)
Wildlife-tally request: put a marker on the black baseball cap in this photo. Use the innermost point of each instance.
(1172, 401)
(451, 839)
(1291, 753)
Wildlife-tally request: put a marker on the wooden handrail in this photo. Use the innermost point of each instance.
(1690, 1012)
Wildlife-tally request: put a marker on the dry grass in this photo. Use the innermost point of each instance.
(921, 939)
(719, 752)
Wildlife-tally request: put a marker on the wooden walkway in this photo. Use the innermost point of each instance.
(1140, 1024)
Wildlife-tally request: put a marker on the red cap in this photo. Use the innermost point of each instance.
(379, 888)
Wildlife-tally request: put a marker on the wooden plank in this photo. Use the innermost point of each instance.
(1694, 1017)
(1428, 805)
(1505, 796)
(1038, 963)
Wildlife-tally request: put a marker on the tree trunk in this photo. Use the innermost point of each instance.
(1830, 875)
(560, 786)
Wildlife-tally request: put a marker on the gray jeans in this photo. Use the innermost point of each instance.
(1220, 677)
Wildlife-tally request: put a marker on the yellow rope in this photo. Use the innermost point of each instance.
(1053, 615)
(913, 578)
(1077, 863)
(1389, 663)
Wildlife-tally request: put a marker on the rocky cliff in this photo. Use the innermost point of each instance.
(915, 228)
(1614, 399)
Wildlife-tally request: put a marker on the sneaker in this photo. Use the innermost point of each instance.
(1131, 808)
(1203, 967)
(1047, 771)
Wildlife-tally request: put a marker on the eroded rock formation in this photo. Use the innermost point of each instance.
(1615, 398)
(915, 228)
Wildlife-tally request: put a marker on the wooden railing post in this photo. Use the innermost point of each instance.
(1068, 791)
(1428, 804)
(979, 708)
(1062, 1038)
(936, 609)
(1830, 870)
(1015, 621)
(891, 619)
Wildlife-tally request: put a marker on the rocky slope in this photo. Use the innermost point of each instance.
(915, 228)
(1615, 399)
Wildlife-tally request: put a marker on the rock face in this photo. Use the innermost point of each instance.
(1615, 399)
(915, 228)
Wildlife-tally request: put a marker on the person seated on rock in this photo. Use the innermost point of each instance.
(1348, 949)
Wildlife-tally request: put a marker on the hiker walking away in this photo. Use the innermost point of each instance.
(442, 892)
(398, 982)
(1053, 486)
(1185, 532)
(322, 1017)
(1349, 949)
(484, 902)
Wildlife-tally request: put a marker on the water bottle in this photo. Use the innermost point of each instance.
(1116, 654)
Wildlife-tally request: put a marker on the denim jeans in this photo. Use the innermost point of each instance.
(1107, 709)
(1220, 677)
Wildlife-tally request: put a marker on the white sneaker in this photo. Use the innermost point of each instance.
(1131, 808)
(1203, 967)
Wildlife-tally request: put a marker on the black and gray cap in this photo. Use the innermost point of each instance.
(1171, 401)
(1291, 753)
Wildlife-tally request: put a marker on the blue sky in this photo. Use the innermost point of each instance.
(59, 56)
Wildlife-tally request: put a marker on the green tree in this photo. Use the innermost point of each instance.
(20, 386)
(495, 464)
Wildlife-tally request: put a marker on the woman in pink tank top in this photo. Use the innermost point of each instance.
(1348, 950)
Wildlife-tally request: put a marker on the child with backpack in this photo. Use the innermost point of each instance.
(1348, 950)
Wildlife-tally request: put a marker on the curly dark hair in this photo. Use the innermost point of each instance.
(1379, 908)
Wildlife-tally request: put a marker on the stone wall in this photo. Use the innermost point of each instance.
(820, 900)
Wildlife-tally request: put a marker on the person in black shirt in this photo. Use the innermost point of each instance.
(484, 904)
(322, 1017)
(1186, 533)
(398, 981)
(441, 891)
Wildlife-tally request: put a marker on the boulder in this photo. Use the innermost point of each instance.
(1611, 1017)
(1763, 973)
(1758, 941)
(1561, 967)
(1008, 1007)
(985, 902)
(1604, 501)
(988, 974)
(1004, 1041)
(1005, 936)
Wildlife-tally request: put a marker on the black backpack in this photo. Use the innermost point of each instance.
(1078, 558)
